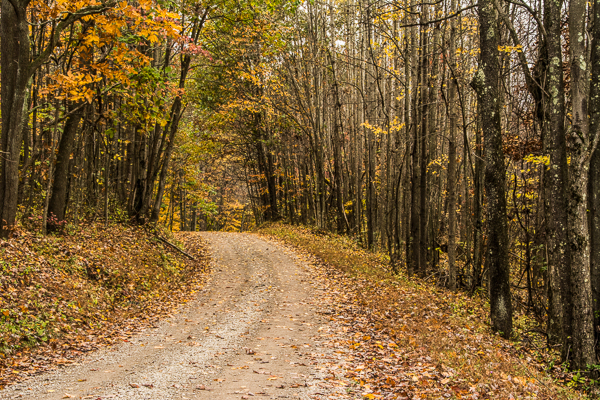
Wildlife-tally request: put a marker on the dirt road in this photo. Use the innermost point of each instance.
(251, 333)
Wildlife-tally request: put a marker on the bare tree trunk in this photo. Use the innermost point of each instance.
(51, 163)
(58, 198)
(559, 247)
(452, 208)
(579, 62)
(195, 218)
(15, 82)
(424, 154)
(583, 354)
(594, 224)
(413, 237)
(594, 171)
(453, 120)
(487, 86)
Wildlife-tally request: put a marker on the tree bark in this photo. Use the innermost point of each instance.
(453, 120)
(555, 146)
(58, 200)
(15, 78)
(586, 145)
(487, 85)
(594, 182)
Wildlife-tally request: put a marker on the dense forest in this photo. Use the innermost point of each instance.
(460, 138)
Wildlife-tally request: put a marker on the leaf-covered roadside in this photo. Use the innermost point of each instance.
(401, 339)
(66, 295)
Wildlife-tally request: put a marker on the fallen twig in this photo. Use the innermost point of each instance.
(176, 248)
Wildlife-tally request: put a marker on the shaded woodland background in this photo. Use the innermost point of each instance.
(459, 138)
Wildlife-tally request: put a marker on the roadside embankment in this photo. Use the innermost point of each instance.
(64, 295)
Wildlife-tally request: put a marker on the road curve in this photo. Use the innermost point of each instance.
(252, 331)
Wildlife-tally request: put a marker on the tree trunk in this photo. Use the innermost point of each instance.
(453, 119)
(413, 235)
(424, 156)
(585, 224)
(594, 184)
(554, 115)
(583, 353)
(58, 200)
(594, 224)
(487, 86)
(194, 218)
(452, 210)
(172, 126)
(579, 62)
(15, 78)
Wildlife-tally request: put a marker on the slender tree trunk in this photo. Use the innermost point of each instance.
(194, 218)
(51, 164)
(58, 199)
(424, 156)
(453, 120)
(413, 237)
(106, 181)
(452, 210)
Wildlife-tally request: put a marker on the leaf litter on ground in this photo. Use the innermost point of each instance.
(63, 296)
(400, 338)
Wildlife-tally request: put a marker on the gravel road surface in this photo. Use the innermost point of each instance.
(253, 332)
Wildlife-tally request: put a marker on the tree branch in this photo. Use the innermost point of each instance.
(531, 83)
(533, 14)
(69, 19)
(435, 21)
